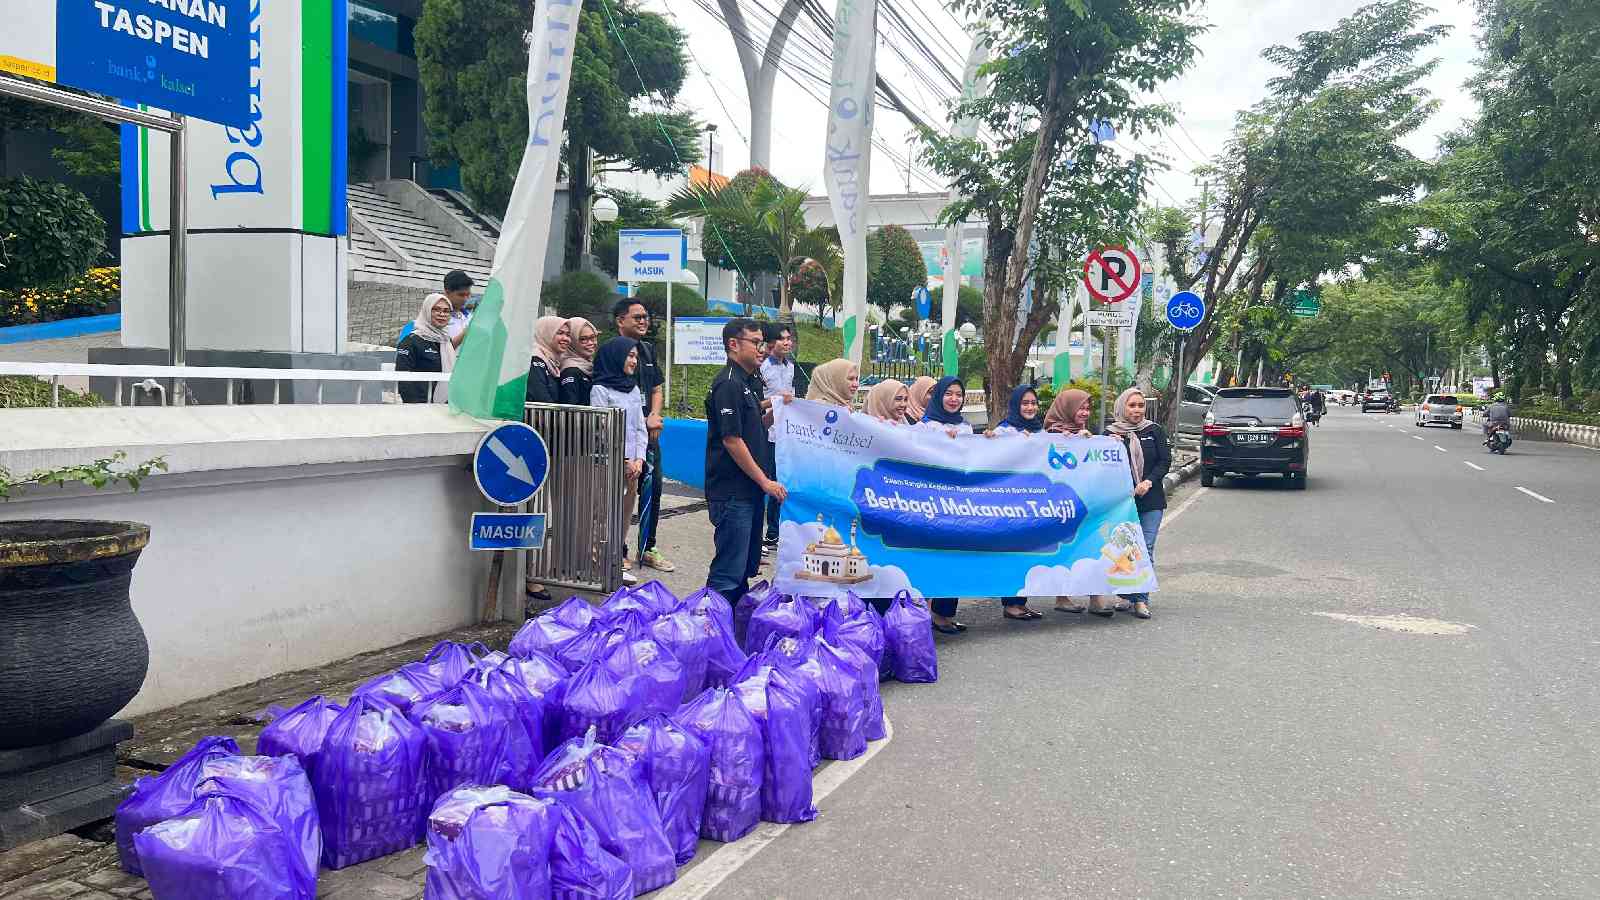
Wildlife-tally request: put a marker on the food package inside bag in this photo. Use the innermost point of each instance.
(404, 687)
(278, 786)
(677, 768)
(524, 747)
(158, 797)
(371, 783)
(650, 672)
(689, 640)
(867, 672)
(300, 731)
(842, 704)
(908, 635)
(581, 869)
(784, 703)
(489, 843)
(224, 846)
(781, 614)
(466, 731)
(737, 762)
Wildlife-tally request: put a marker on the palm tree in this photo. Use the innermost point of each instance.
(772, 213)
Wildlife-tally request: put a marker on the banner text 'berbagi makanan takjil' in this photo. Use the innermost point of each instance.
(875, 508)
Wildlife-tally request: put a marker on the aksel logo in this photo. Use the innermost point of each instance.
(1062, 459)
(1111, 456)
(831, 417)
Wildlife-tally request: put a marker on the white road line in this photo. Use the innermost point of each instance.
(715, 867)
(1540, 497)
(1440, 449)
(1415, 437)
(1183, 508)
(1474, 466)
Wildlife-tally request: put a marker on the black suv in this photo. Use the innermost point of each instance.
(1377, 398)
(1253, 431)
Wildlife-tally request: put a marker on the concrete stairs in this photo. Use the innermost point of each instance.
(407, 242)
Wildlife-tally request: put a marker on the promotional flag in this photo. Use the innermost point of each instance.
(847, 163)
(491, 373)
(971, 86)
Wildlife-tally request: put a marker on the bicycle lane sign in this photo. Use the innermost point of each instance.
(1112, 274)
(1186, 310)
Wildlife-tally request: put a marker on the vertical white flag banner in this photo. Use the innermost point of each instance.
(847, 165)
(971, 87)
(491, 374)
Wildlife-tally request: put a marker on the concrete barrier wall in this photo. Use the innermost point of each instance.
(284, 537)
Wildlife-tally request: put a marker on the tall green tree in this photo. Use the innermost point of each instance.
(1314, 178)
(899, 270)
(1045, 185)
(627, 69)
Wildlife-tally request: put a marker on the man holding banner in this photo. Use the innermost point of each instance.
(874, 510)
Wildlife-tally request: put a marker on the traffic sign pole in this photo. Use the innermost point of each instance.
(666, 383)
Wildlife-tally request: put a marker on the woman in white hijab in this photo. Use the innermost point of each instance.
(428, 348)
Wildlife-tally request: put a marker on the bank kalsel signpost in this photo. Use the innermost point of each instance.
(1112, 274)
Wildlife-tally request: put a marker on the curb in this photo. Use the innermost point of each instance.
(1174, 479)
(61, 328)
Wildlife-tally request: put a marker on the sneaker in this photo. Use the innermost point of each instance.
(629, 578)
(771, 541)
(655, 560)
(768, 549)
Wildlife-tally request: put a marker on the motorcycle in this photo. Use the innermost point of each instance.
(1498, 439)
(1309, 410)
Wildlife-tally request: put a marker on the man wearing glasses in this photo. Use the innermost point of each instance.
(736, 477)
(633, 321)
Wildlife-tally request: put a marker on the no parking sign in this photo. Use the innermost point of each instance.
(1112, 274)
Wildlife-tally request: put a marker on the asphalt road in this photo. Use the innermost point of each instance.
(1244, 743)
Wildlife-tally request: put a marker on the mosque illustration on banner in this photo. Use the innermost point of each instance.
(830, 560)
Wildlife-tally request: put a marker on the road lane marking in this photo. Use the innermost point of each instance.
(1415, 437)
(1474, 465)
(1440, 449)
(1540, 497)
(1401, 623)
(715, 867)
(1184, 507)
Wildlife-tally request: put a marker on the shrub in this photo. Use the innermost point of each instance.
(49, 234)
(581, 294)
(93, 293)
(686, 301)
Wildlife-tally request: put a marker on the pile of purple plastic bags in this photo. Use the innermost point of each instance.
(587, 761)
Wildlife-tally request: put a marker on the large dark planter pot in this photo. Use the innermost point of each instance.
(71, 650)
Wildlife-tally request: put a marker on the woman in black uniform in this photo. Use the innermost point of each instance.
(427, 348)
(577, 366)
(552, 338)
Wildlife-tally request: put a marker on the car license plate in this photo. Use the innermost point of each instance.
(1252, 438)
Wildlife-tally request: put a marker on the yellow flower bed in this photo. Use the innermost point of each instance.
(93, 293)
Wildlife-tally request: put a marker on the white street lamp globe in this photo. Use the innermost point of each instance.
(687, 276)
(968, 331)
(605, 209)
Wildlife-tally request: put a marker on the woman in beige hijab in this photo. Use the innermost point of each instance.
(836, 382)
(887, 401)
(917, 398)
(1069, 415)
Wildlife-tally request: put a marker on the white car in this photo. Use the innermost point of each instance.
(1439, 409)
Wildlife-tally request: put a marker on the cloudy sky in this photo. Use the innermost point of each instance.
(1229, 76)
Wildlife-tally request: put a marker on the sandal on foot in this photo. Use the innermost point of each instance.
(1075, 610)
(946, 629)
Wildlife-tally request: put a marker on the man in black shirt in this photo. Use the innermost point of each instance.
(736, 428)
(633, 321)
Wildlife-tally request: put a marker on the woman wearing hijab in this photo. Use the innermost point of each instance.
(835, 381)
(1069, 415)
(552, 337)
(917, 398)
(615, 386)
(887, 401)
(577, 366)
(1022, 416)
(428, 348)
(945, 402)
(1149, 457)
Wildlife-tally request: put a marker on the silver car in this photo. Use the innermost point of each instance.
(1197, 399)
(1439, 409)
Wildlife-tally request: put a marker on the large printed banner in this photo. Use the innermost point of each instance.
(875, 509)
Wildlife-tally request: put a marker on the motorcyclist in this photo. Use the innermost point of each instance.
(1319, 403)
(1497, 415)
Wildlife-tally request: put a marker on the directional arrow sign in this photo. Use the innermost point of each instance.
(649, 254)
(510, 464)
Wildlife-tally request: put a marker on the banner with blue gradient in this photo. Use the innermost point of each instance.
(875, 508)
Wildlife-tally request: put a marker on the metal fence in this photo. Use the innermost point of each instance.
(585, 524)
(135, 385)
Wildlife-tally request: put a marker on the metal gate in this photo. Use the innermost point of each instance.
(585, 523)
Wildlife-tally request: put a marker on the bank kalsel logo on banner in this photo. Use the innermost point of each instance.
(830, 418)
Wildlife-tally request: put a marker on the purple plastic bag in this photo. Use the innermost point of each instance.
(300, 731)
(524, 747)
(677, 769)
(581, 869)
(405, 686)
(278, 786)
(657, 596)
(791, 654)
(370, 780)
(858, 625)
(841, 707)
(600, 637)
(552, 630)
(706, 602)
(224, 846)
(546, 679)
(866, 669)
(908, 633)
(627, 600)
(687, 638)
(449, 662)
(606, 786)
(746, 607)
(158, 797)
(779, 614)
(653, 677)
(489, 843)
(738, 762)
(724, 656)
(467, 733)
(597, 697)
(781, 701)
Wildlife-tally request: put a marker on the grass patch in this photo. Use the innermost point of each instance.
(24, 391)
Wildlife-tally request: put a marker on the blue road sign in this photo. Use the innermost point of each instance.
(1186, 310)
(510, 464)
(924, 301)
(650, 254)
(506, 531)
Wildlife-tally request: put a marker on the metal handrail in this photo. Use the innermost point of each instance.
(55, 371)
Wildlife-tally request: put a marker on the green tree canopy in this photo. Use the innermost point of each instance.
(900, 268)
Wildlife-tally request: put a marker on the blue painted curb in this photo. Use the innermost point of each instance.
(64, 328)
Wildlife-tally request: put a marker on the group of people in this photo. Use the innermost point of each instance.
(743, 493)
